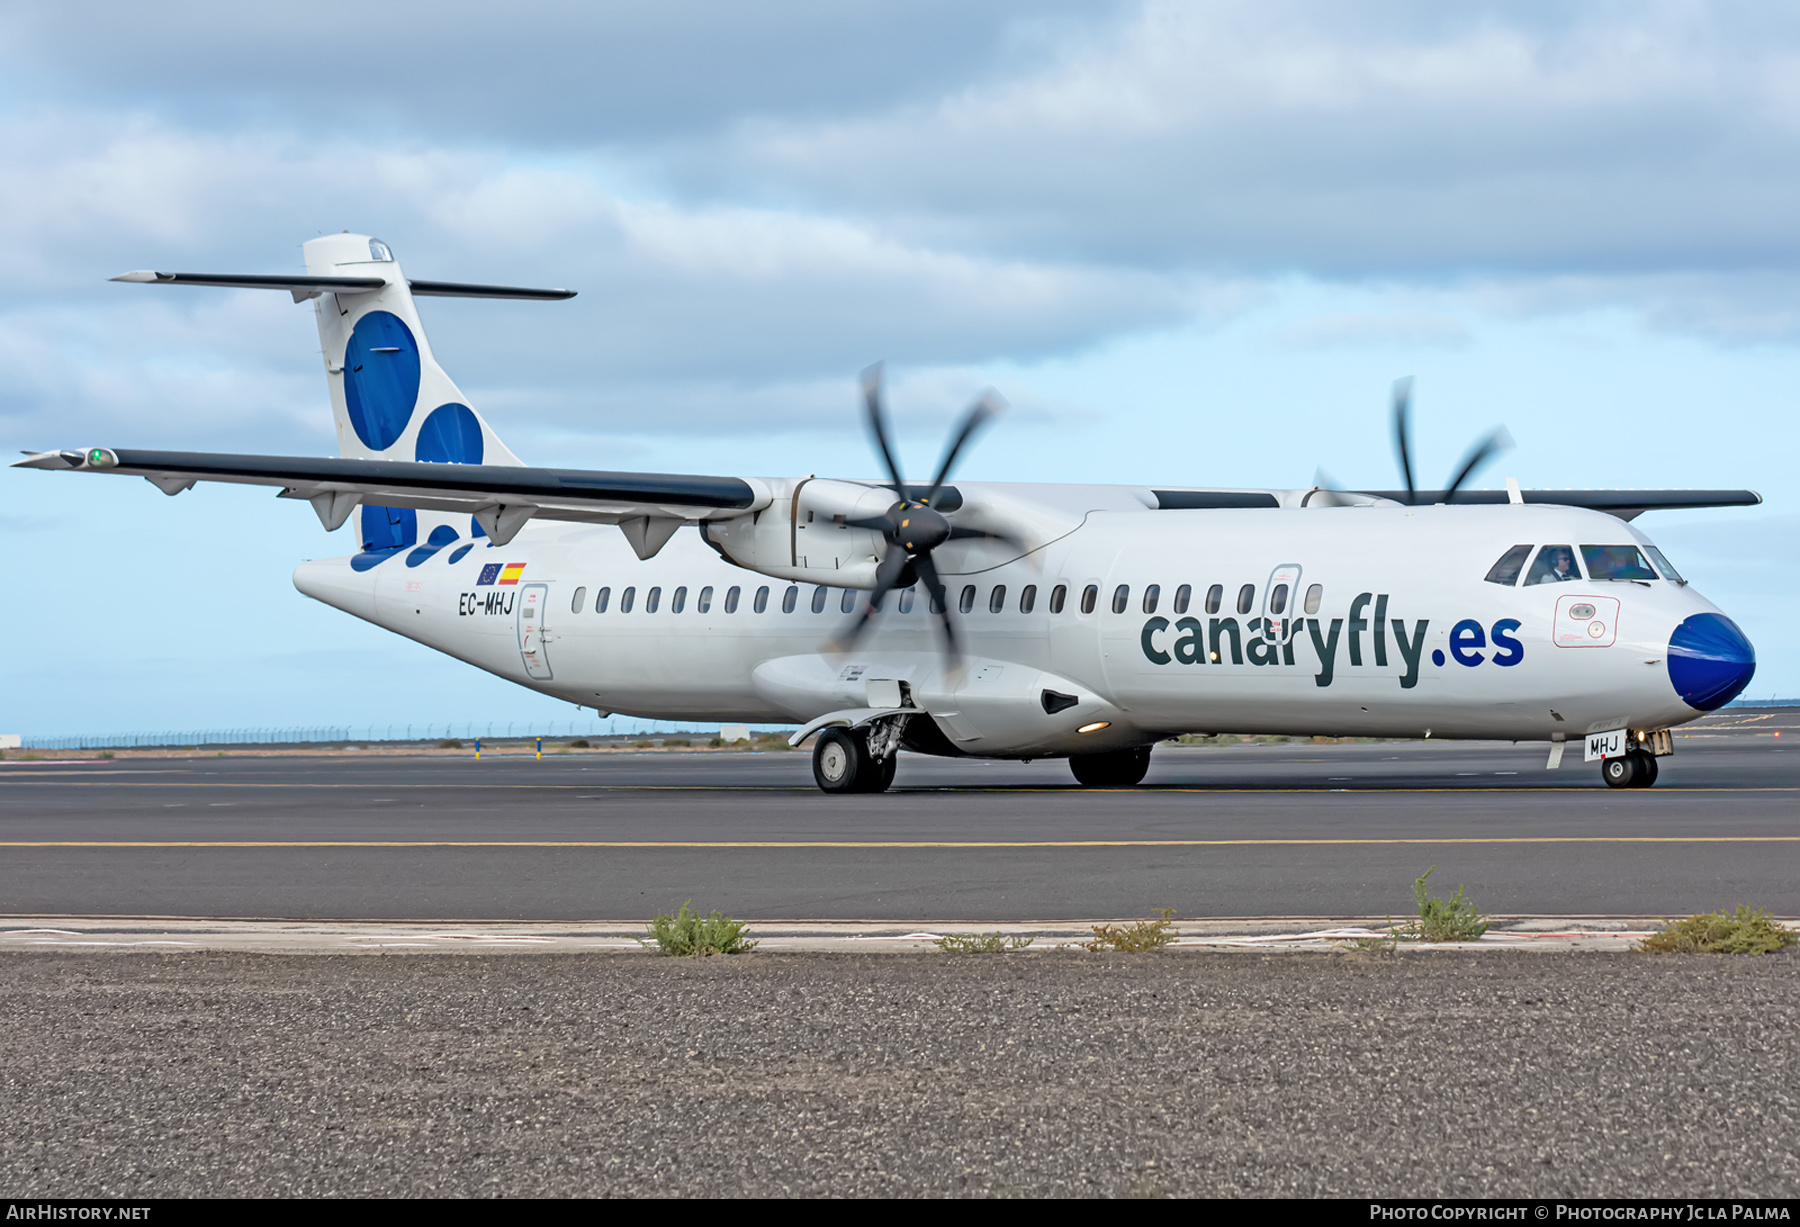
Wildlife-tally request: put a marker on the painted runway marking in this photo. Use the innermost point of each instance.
(909, 843)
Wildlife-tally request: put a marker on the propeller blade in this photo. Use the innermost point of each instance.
(1326, 490)
(887, 577)
(1496, 441)
(1403, 434)
(928, 576)
(986, 407)
(871, 384)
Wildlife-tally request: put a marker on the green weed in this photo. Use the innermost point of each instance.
(981, 943)
(1748, 930)
(1138, 936)
(687, 933)
(1441, 920)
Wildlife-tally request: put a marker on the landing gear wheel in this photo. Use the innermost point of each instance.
(1622, 772)
(1114, 769)
(1646, 768)
(842, 763)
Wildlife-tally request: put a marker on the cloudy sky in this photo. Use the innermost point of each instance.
(1190, 243)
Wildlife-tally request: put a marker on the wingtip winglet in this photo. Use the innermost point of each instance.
(137, 275)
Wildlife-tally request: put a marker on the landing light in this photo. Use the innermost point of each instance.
(1095, 727)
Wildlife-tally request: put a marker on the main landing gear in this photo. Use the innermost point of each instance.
(1115, 769)
(1632, 769)
(842, 762)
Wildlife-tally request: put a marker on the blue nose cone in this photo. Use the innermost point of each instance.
(1710, 661)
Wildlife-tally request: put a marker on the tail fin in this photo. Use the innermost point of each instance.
(389, 397)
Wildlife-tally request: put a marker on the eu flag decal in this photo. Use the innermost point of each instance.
(489, 574)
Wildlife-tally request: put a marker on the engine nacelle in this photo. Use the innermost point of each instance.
(805, 535)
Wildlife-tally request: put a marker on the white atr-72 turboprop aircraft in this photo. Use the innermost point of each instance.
(980, 619)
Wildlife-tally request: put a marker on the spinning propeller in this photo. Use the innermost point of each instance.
(1485, 448)
(912, 527)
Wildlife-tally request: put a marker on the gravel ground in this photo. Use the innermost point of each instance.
(1025, 1074)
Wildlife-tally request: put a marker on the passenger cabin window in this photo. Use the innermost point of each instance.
(1151, 595)
(1615, 562)
(936, 604)
(678, 602)
(579, 600)
(1662, 564)
(762, 599)
(967, 601)
(627, 599)
(601, 598)
(997, 598)
(1278, 600)
(703, 603)
(652, 600)
(818, 601)
(1028, 598)
(848, 603)
(731, 598)
(1090, 596)
(1246, 598)
(1314, 595)
(1506, 571)
(1059, 597)
(790, 598)
(1555, 564)
(1183, 595)
(1121, 598)
(907, 596)
(1215, 597)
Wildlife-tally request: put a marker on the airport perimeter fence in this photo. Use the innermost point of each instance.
(367, 734)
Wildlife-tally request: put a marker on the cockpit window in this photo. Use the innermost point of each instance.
(1554, 564)
(378, 250)
(1506, 571)
(1615, 562)
(1662, 564)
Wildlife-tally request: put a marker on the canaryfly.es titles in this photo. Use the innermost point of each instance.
(1341, 643)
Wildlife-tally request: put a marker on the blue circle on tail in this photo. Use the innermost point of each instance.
(381, 379)
(451, 434)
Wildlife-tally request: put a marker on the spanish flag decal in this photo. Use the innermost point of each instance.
(509, 574)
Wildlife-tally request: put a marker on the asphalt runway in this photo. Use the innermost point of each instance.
(1242, 830)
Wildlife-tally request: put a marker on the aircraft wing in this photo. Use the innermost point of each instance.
(502, 498)
(1626, 504)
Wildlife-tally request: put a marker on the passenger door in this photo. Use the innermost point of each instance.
(532, 601)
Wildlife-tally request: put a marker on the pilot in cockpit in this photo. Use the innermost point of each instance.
(1555, 563)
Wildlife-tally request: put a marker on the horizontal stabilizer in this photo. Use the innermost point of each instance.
(310, 287)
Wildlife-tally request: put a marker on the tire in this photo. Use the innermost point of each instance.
(1646, 769)
(1115, 769)
(840, 761)
(1621, 772)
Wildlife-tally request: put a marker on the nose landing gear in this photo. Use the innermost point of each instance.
(1632, 769)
